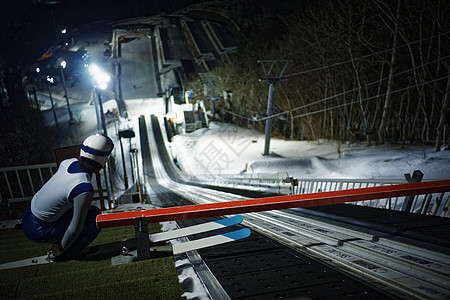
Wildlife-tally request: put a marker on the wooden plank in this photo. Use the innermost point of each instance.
(272, 203)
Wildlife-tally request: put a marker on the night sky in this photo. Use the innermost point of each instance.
(27, 27)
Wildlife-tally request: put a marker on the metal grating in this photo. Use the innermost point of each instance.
(260, 268)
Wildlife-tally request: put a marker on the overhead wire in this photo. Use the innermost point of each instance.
(363, 57)
(349, 91)
(336, 106)
(367, 99)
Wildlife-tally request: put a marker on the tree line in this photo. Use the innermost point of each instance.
(375, 70)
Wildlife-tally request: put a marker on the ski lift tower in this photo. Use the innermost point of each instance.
(273, 72)
(210, 90)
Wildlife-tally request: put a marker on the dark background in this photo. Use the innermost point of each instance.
(28, 27)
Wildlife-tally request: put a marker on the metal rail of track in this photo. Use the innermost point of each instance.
(414, 271)
(400, 268)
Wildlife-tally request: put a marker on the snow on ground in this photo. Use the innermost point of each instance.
(227, 149)
(146, 107)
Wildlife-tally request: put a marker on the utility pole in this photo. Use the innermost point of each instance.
(47, 79)
(61, 63)
(102, 113)
(273, 72)
(51, 100)
(125, 134)
(210, 91)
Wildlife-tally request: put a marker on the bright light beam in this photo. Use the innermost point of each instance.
(100, 77)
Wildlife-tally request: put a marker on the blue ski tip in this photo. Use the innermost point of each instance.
(230, 221)
(238, 234)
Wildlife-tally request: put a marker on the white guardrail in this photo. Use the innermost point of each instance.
(279, 183)
(19, 184)
(431, 204)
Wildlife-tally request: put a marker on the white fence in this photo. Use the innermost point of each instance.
(279, 183)
(432, 204)
(19, 184)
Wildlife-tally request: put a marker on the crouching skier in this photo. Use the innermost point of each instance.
(61, 213)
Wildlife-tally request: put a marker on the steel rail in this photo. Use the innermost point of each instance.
(272, 203)
(350, 251)
(402, 272)
(421, 275)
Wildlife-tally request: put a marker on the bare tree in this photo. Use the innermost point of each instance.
(395, 30)
(443, 117)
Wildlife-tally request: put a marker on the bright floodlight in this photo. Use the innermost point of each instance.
(64, 31)
(38, 70)
(101, 78)
(93, 68)
(103, 85)
(63, 64)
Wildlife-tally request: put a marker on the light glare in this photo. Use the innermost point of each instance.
(101, 78)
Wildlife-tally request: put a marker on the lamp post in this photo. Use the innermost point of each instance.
(47, 80)
(125, 134)
(102, 113)
(61, 63)
(101, 80)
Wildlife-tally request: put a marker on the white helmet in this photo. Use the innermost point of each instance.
(97, 147)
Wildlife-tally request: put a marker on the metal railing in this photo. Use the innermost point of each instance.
(18, 185)
(270, 182)
(430, 204)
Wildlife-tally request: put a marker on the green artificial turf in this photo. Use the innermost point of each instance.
(149, 279)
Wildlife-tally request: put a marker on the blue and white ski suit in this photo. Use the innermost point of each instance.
(61, 211)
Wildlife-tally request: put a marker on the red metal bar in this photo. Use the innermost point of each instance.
(272, 203)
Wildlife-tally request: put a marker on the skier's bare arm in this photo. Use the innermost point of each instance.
(81, 205)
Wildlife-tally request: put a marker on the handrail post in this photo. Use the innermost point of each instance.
(100, 191)
(416, 177)
(142, 239)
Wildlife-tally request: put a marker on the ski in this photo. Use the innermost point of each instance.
(39, 260)
(210, 241)
(191, 230)
(183, 247)
(102, 250)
